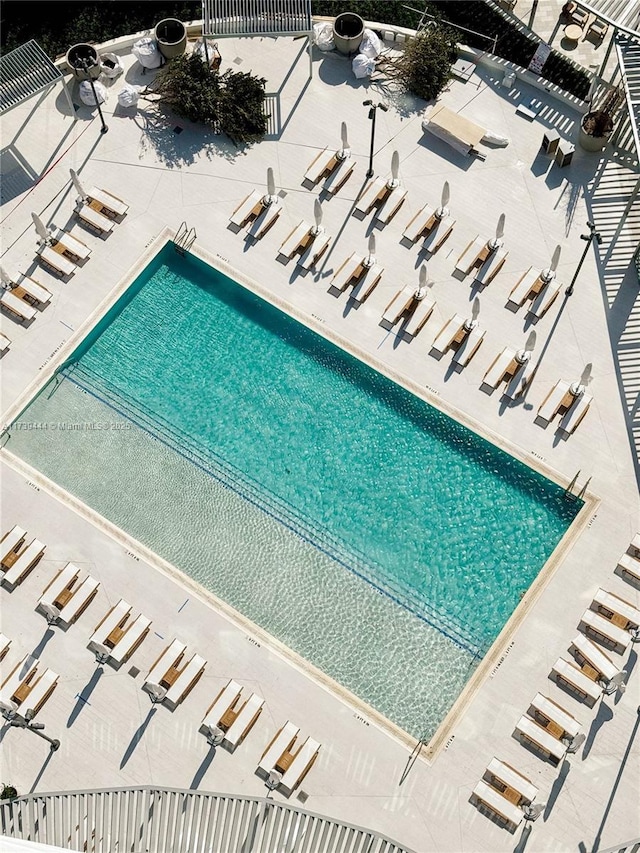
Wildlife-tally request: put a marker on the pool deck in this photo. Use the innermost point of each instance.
(364, 775)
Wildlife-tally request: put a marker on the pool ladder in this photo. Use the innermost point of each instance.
(569, 491)
(184, 239)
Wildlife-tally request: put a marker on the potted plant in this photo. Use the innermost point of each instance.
(597, 125)
(7, 792)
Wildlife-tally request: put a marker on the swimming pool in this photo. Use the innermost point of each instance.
(366, 530)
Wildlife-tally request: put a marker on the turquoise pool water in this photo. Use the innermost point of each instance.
(375, 535)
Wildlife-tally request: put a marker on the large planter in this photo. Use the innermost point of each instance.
(595, 130)
(76, 58)
(171, 35)
(348, 30)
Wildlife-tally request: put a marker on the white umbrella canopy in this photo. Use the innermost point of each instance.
(423, 283)
(41, 229)
(443, 210)
(317, 213)
(75, 180)
(345, 151)
(5, 278)
(395, 168)
(371, 257)
(271, 197)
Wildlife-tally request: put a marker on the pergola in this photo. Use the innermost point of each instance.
(26, 71)
(228, 18)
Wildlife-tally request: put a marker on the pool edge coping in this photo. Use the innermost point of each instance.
(491, 659)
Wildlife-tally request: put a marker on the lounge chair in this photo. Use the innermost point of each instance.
(339, 176)
(592, 660)
(93, 218)
(30, 290)
(567, 673)
(354, 272)
(512, 785)
(418, 315)
(559, 397)
(29, 685)
(68, 595)
(520, 379)
(245, 719)
(27, 559)
(574, 415)
(397, 307)
(551, 716)
(452, 331)
(218, 715)
(420, 224)
(296, 240)
(621, 613)
(277, 755)
(630, 566)
(391, 204)
(303, 761)
(106, 203)
(634, 546)
(346, 272)
(10, 545)
(314, 250)
(532, 286)
(66, 244)
(323, 164)
(5, 342)
(173, 675)
(365, 284)
(479, 254)
(375, 192)
(539, 737)
(506, 367)
(605, 630)
(438, 234)
(469, 346)
(55, 261)
(264, 220)
(117, 635)
(497, 804)
(5, 642)
(247, 209)
(17, 306)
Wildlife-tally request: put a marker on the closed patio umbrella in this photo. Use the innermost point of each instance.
(43, 232)
(75, 180)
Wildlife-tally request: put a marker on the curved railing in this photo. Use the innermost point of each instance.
(172, 820)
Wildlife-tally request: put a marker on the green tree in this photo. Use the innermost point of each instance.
(231, 103)
(424, 67)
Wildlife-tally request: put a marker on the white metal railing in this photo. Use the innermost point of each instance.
(172, 820)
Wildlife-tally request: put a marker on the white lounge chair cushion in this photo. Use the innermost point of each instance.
(34, 550)
(574, 676)
(535, 733)
(302, 759)
(17, 306)
(497, 803)
(282, 741)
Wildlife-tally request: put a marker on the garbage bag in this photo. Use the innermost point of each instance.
(86, 93)
(370, 44)
(147, 53)
(323, 36)
(110, 65)
(129, 94)
(363, 66)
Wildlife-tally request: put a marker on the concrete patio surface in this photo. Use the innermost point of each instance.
(110, 735)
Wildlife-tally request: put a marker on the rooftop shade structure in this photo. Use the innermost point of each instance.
(622, 14)
(24, 72)
(255, 17)
(628, 50)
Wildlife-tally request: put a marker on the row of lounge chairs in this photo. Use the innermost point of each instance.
(61, 252)
(23, 296)
(548, 728)
(17, 557)
(119, 633)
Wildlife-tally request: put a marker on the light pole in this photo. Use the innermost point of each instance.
(372, 115)
(14, 719)
(593, 234)
(86, 65)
